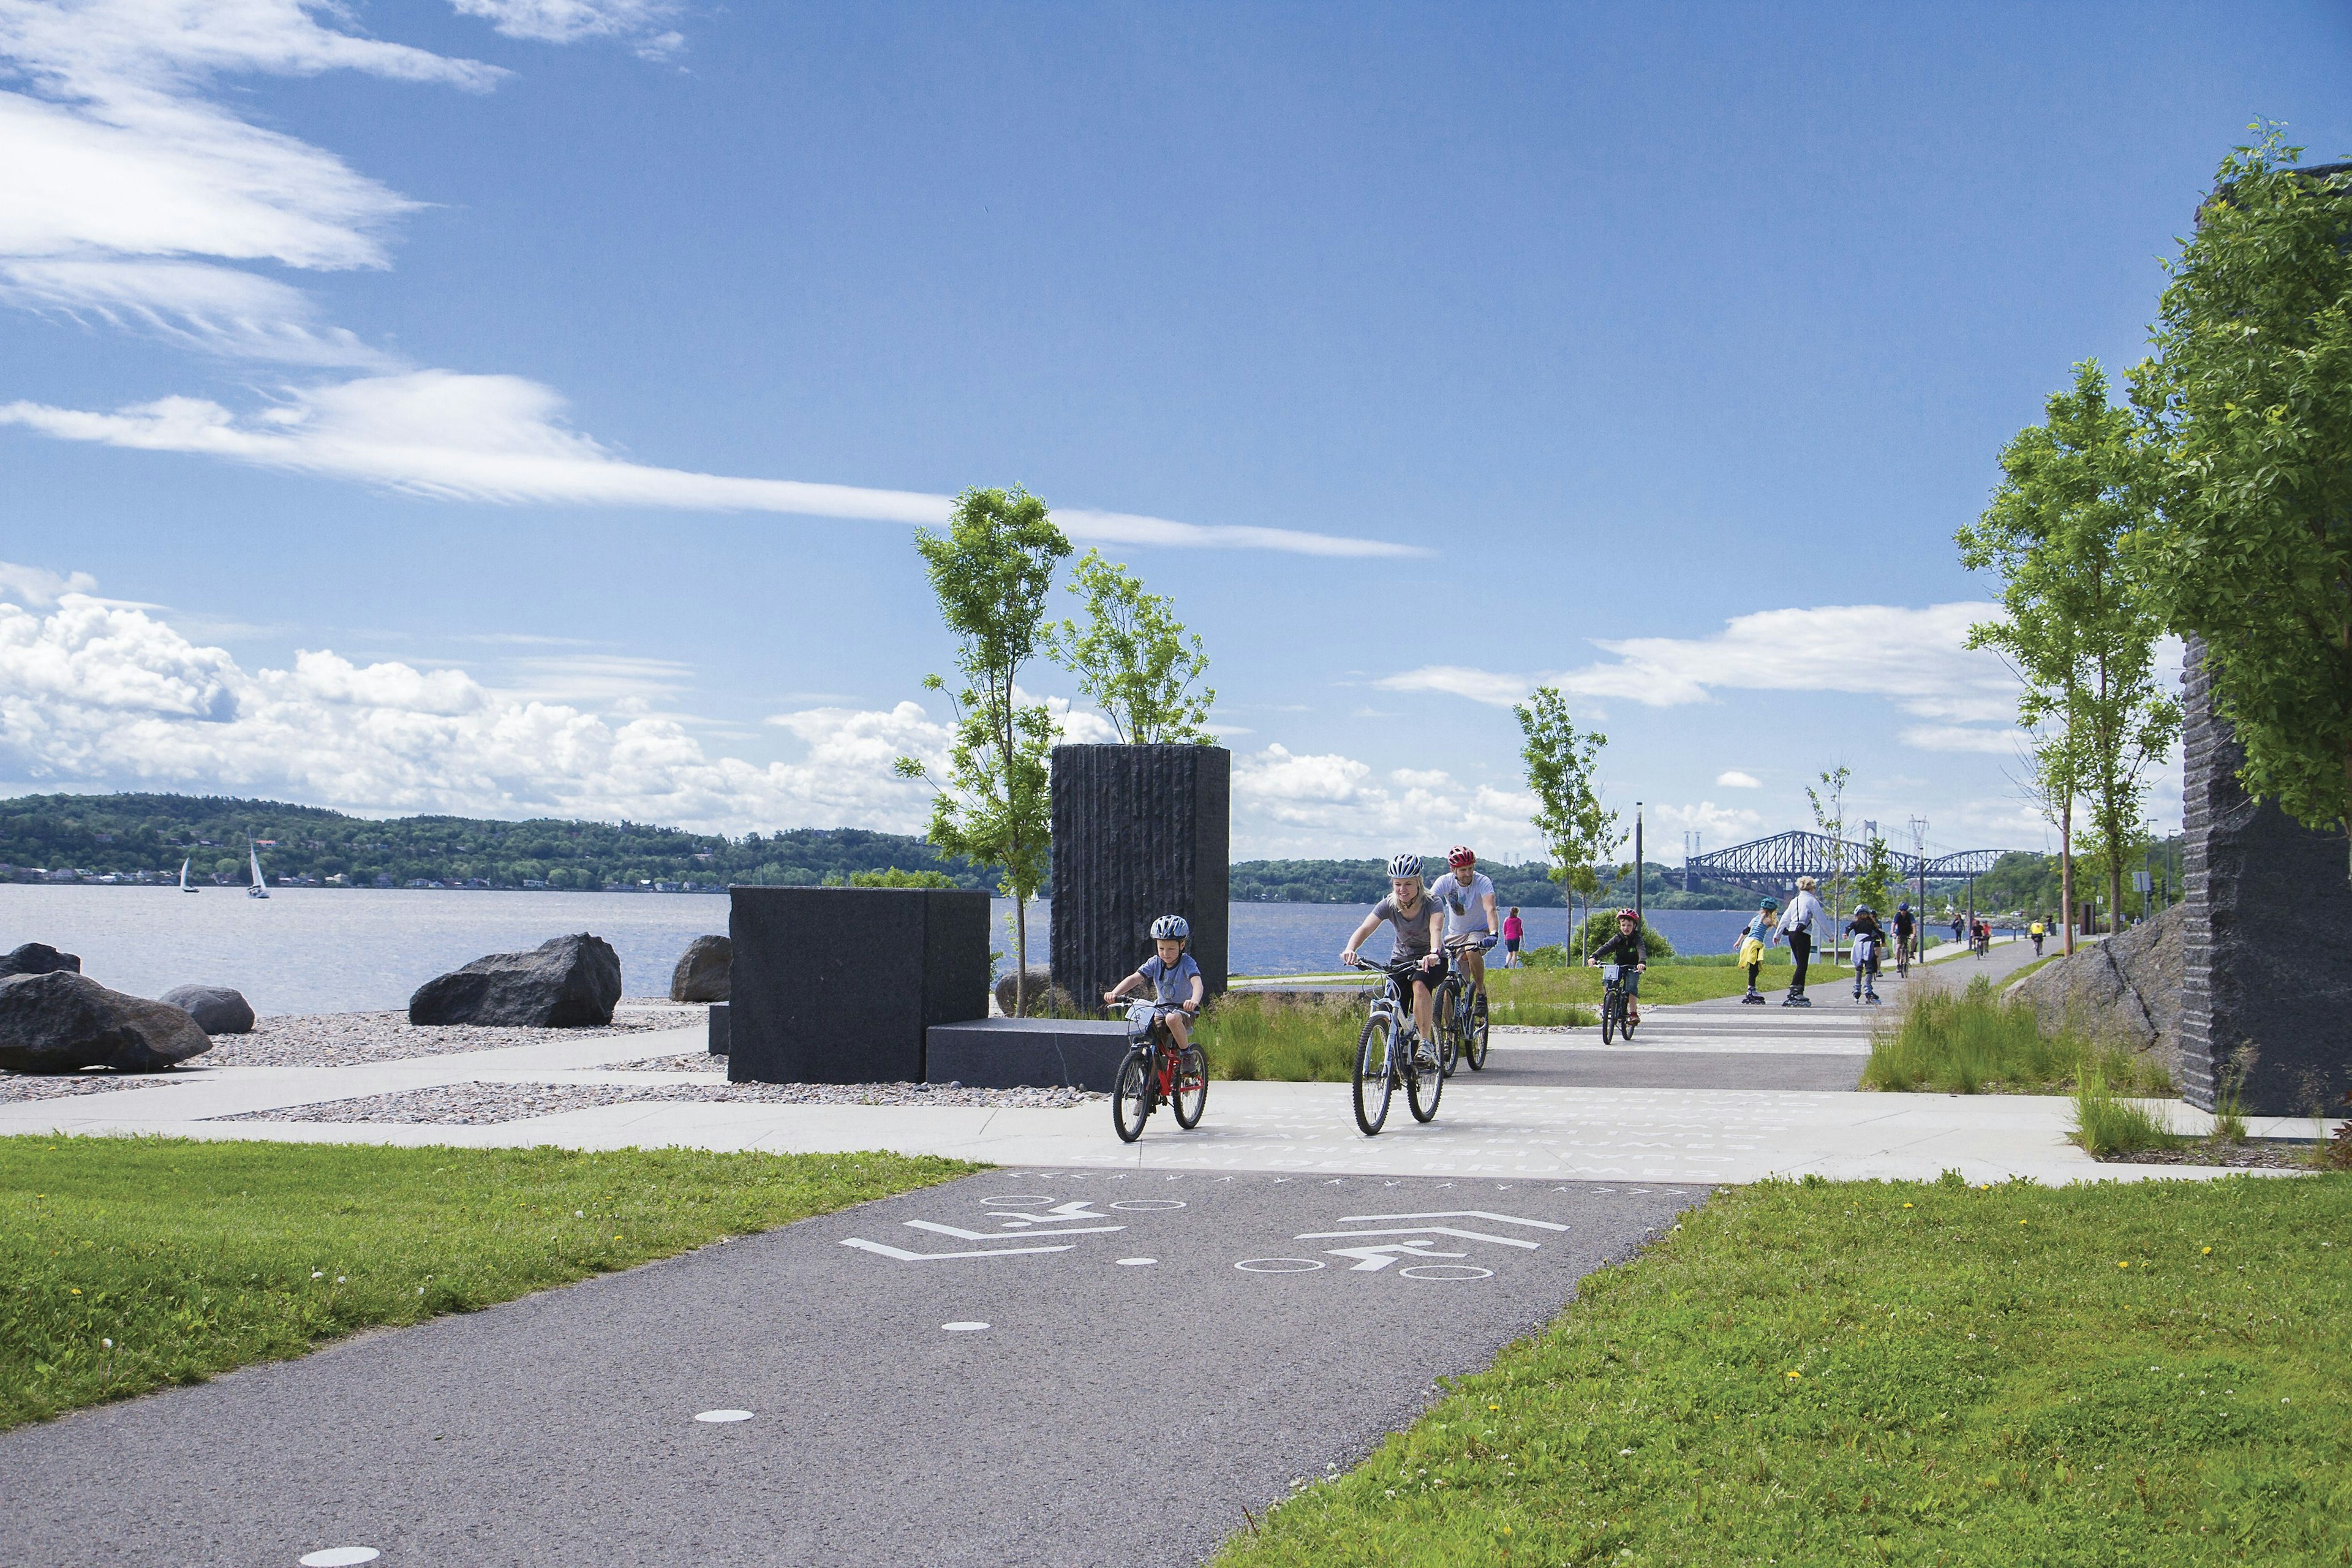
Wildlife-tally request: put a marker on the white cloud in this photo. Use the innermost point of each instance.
(641, 23)
(500, 439)
(1917, 657)
(1286, 804)
(1732, 778)
(38, 587)
(1720, 826)
(190, 304)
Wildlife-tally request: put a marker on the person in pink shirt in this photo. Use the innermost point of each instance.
(1512, 931)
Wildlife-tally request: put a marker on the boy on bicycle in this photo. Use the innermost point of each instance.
(1468, 897)
(1414, 918)
(1624, 950)
(1172, 973)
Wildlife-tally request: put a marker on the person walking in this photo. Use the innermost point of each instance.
(1513, 930)
(1797, 928)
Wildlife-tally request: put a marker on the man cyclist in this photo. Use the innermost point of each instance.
(1414, 918)
(1906, 923)
(2036, 932)
(1624, 951)
(1467, 896)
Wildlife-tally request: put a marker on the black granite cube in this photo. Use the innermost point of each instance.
(1139, 832)
(1029, 1053)
(719, 1028)
(2269, 936)
(838, 985)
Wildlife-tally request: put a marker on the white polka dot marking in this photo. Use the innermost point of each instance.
(964, 1328)
(724, 1416)
(1136, 1262)
(340, 1557)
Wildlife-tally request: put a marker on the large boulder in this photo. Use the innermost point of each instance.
(571, 982)
(216, 1009)
(702, 970)
(1039, 992)
(2126, 990)
(62, 1022)
(39, 958)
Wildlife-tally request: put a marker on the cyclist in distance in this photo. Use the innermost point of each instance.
(2036, 932)
(1906, 925)
(1172, 973)
(1413, 917)
(1467, 896)
(1624, 951)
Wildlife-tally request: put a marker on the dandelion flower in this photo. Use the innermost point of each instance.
(2123, 1263)
(2209, 1252)
(1907, 1206)
(75, 1288)
(1794, 1376)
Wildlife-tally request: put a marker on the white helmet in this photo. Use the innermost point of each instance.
(1404, 865)
(1167, 926)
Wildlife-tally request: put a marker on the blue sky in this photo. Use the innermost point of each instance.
(523, 406)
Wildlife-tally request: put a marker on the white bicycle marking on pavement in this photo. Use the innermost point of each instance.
(932, 1225)
(1373, 1259)
(1423, 1230)
(1457, 1214)
(905, 1257)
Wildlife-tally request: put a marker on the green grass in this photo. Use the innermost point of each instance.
(2106, 1123)
(1827, 1373)
(1662, 984)
(1972, 1042)
(1303, 1040)
(194, 1257)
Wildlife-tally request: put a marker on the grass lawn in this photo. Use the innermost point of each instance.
(1972, 1042)
(193, 1258)
(1663, 983)
(2155, 1373)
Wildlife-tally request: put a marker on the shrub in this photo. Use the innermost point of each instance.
(1960, 1043)
(1290, 1039)
(2106, 1125)
(1600, 926)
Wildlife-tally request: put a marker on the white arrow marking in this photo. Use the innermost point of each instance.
(1456, 1214)
(932, 1225)
(1059, 1214)
(1373, 1259)
(905, 1257)
(1424, 1229)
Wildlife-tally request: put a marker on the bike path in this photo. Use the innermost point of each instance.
(1154, 1354)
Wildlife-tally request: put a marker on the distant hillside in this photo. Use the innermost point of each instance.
(1528, 885)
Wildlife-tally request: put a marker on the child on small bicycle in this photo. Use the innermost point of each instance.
(1624, 951)
(1172, 973)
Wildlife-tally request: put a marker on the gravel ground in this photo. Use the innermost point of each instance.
(2260, 1154)
(354, 1039)
(693, 1061)
(486, 1104)
(40, 1086)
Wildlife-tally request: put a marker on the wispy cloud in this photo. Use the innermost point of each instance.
(642, 23)
(501, 439)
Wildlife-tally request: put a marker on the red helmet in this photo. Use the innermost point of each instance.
(1460, 854)
(1627, 914)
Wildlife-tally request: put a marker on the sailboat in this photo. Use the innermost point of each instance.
(184, 879)
(259, 887)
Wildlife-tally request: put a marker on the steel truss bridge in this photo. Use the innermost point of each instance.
(1771, 865)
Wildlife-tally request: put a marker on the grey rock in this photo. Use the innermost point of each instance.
(39, 958)
(61, 1022)
(1043, 993)
(566, 983)
(702, 971)
(2127, 989)
(216, 1009)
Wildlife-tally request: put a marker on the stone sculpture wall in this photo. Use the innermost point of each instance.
(2269, 938)
(1138, 831)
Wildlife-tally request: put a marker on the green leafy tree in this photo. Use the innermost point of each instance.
(991, 571)
(2249, 398)
(1828, 816)
(1561, 763)
(1874, 884)
(2079, 618)
(1134, 658)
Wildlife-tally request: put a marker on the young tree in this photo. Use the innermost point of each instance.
(1874, 883)
(2081, 619)
(1828, 816)
(2052, 784)
(2249, 400)
(1133, 658)
(1560, 763)
(991, 571)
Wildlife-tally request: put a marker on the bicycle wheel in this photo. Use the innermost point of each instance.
(1624, 1016)
(1474, 1039)
(1608, 1015)
(1130, 1101)
(1448, 1019)
(1425, 1084)
(1375, 1074)
(1191, 1087)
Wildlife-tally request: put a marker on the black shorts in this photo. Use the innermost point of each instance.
(1429, 977)
(1510, 945)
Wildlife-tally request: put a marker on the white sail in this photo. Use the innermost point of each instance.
(260, 889)
(183, 878)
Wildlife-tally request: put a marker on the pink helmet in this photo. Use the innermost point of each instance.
(1460, 854)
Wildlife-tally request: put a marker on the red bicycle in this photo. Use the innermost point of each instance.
(1157, 1072)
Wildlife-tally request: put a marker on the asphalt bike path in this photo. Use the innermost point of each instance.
(1023, 1366)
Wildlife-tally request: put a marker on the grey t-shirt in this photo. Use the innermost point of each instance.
(1412, 934)
(1171, 983)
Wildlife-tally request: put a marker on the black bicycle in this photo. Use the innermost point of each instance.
(1459, 1012)
(1156, 1071)
(1615, 1018)
(1388, 1052)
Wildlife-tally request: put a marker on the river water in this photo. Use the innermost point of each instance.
(321, 950)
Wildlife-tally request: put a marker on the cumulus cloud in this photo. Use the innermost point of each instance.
(1290, 804)
(1732, 778)
(1917, 657)
(1717, 825)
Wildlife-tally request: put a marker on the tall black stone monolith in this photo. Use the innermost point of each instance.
(2269, 936)
(1139, 832)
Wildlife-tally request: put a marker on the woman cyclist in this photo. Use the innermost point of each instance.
(1414, 918)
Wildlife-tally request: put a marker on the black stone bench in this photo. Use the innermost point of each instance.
(1027, 1053)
